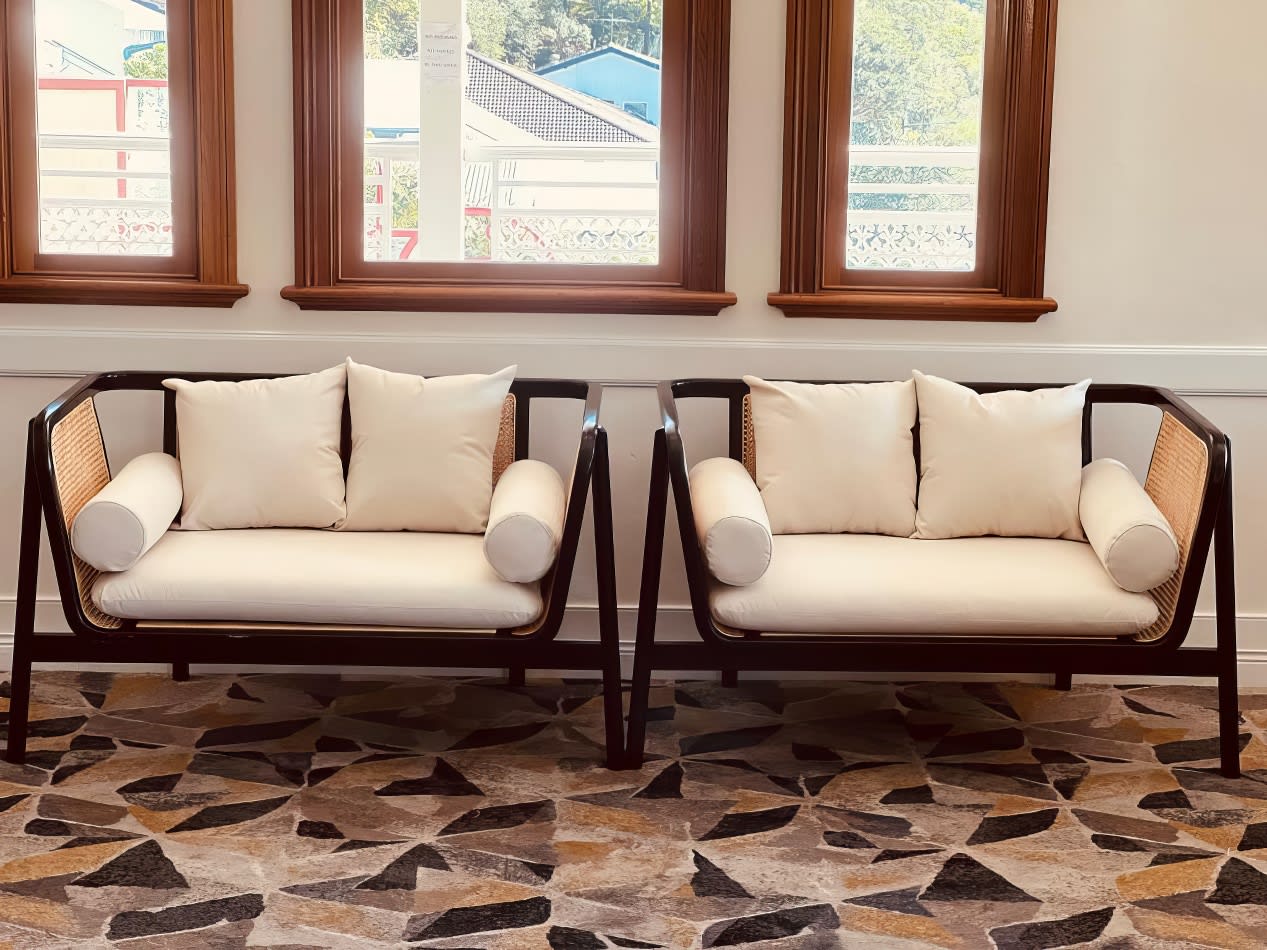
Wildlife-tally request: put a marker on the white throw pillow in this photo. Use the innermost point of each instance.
(1006, 463)
(835, 458)
(263, 453)
(422, 450)
(1132, 538)
(730, 521)
(124, 519)
(525, 522)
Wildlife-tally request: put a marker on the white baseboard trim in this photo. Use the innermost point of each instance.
(675, 623)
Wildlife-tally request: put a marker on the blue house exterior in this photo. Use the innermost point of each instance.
(628, 80)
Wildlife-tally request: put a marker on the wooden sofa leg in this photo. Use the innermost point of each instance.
(516, 676)
(19, 695)
(24, 615)
(730, 678)
(608, 618)
(1225, 628)
(648, 603)
(1229, 724)
(180, 671)
(1063, 682)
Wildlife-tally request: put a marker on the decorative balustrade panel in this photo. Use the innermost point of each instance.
(524, 204)
(579, 239)
(912, 208)
(910, 244)
(107, 230)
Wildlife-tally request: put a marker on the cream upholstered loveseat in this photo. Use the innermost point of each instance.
(1113, 594)
(136, 588)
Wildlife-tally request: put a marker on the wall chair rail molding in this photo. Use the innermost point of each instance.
(1209, 371)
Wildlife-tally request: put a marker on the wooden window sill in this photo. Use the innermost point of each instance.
(131, 292)
(873, 305)
(485, 298)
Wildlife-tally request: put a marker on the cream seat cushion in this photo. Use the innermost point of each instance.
(987, 586)
(301, 576)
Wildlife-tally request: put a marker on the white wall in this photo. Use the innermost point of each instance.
(1157, 206)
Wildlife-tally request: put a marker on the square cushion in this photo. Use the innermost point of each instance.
(263, 453)
(422, 450)
(1006, 464)
(835, 457)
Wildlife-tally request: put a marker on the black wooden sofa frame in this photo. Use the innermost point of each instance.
(730, 651)
(534, 647)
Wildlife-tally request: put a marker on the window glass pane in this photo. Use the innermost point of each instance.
(525, 131)
(102, 122)
(915, 134)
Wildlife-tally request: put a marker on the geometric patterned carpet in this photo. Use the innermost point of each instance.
(292, 811)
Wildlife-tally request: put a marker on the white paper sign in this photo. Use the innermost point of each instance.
(441, 52)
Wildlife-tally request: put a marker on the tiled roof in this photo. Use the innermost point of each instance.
(547, 110)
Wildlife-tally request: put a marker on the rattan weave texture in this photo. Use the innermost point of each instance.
(749, 439)
(1176, 483)
(81, 470)
(504, 451)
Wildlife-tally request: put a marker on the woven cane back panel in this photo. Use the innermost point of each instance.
(1176, 483)
(80, 471)
(749, 439)
(504, 452)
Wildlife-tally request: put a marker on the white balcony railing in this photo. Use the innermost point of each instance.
(105, 195)
(525, 203)
(912, 208)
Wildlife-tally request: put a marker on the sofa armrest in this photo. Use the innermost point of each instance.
(525, 521)
(1128, 532)
(127, 517)
(730, 521)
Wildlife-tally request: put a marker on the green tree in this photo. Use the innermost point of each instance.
(634, 24)
(486, 20)
(391, 29)
(562, 37)
(147, 64)
(917, 72)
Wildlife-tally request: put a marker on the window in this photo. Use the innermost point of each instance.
(441, 164)
(116, 150)
(915, 167)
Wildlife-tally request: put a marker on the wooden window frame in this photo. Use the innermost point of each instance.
(202, 270)
(331, 274)
(1007, 284)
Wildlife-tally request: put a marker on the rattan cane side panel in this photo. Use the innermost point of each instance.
(749, 439)
(80, 471)
(504, 452)
(1176, 483)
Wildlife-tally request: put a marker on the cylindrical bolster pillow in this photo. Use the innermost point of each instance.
(730, 521)
(1132, 538)
(123, 520)
(525, 522)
